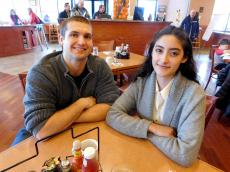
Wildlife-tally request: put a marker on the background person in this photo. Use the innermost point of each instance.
(223, 94)
(46, 18)
(219, 53)
(80, 10)
(14, 17)
(67, 86)
(167, 97)
(100, 12)
(64, 14)
(34, 19)
(191, 25)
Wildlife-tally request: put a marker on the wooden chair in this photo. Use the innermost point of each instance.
(53, 33)
(196, 44)
(105, 45)
(22, 77)
(210, 108)
(213, 71)
(210, 100)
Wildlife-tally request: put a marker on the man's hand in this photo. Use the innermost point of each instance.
(65, 117)
(88, 102)
(161, 130)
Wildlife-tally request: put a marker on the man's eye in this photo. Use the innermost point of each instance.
(75, 35)
(88, 37)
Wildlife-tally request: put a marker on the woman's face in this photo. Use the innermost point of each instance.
(12, 12)
(167, 56)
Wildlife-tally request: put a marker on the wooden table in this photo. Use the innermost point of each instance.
(134, 62)
(128, 66)
(116, 149)
(226, 59)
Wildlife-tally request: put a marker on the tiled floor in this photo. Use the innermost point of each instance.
(20, 63)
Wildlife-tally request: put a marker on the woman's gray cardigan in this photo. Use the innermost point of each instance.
(184, 111)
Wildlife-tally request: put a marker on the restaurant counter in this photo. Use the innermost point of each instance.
(21, 39)
(16, 40)
(135, 33)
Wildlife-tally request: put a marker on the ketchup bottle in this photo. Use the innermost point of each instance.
(78, 158)
(90, 163)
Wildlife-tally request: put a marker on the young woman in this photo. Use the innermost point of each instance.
(14, 17)
(167, 97)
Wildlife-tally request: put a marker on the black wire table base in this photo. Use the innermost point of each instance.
(53, 135)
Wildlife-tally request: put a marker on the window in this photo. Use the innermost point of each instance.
(43, 8)
(221, 13)
(93, 5)
(49, 8)
(21, 8)
(149, 7)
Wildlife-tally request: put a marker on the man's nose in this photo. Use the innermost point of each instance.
(81, 40)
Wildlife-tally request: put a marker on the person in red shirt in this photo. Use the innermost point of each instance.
(34, 19)
(219, 52)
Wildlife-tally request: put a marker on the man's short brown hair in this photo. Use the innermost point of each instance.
(66, 4)
(63, 26)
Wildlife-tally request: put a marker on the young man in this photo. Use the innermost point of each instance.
(69, 86)
(64, 14)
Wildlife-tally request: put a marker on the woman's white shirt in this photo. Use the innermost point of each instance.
(160, 101)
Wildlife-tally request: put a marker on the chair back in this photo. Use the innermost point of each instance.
(197, 42)
(212, 68)
(210, 108)
(105, 45)
(22, 77)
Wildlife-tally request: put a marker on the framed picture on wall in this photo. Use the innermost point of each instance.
(161, 9)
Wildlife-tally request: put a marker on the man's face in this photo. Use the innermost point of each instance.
(192, 14)
(81, 3)
(67, 7)
(102, 9)
(77, 42)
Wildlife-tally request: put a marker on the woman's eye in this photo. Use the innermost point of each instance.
(174, 53)
(158, 50)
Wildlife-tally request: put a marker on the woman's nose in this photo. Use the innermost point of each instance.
(165, 57)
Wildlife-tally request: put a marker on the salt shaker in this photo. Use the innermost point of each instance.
(66, 166)
(95, 51)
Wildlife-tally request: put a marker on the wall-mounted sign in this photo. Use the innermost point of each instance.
(201, 9)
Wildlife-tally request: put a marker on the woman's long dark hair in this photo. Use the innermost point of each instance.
(187, 69)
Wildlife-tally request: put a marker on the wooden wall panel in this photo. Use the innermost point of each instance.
(136, 33)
